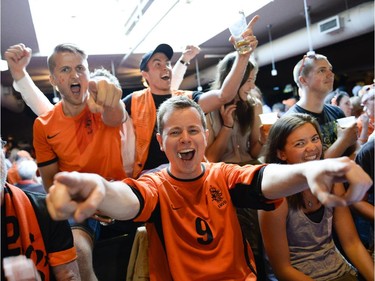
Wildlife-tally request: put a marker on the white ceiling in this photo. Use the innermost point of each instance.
(285, 16)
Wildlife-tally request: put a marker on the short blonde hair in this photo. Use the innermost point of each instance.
(305, 65)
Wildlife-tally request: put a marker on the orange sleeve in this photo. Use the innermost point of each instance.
(62, 257)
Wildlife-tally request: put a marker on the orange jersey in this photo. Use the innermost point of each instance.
(194, 233)
(144, 119)
(13, 176)
(82, 143)
(370, 129)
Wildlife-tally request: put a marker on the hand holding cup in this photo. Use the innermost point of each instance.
(267, 120)
(242, 34)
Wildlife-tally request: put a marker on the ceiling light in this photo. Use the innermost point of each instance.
(273, 71)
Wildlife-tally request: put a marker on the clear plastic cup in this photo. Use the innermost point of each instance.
(236, 29)
(346, 121)
(267, 120)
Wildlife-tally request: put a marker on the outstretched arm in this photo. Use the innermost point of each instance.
(80, 195)
(213, 99)
(18, 58)
(284, 180)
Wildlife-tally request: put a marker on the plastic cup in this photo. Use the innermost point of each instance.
(346, 121)
(267, 120)
(238, 26)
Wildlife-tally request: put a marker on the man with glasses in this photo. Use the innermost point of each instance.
(314, 77)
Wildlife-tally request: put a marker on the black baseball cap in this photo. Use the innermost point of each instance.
(162, 48)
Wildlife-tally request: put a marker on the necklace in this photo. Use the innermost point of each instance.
(309, 203)
(310, 200)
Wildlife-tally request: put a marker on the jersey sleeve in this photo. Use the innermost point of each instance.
(57, 235)
(145, 188)
(245, 187)
(44, 153)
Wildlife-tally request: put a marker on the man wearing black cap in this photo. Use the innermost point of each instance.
(157, 71)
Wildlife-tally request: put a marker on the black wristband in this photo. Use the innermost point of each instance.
(228, 126)
(184, 62)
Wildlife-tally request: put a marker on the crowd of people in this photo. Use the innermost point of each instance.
(216, 191)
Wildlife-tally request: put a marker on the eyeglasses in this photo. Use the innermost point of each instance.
(310, 55)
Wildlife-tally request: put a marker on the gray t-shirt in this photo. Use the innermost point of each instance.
(311, 246)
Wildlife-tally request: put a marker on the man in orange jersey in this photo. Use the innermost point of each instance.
(80, 133)
(189, 207)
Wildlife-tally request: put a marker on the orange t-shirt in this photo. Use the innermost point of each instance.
(144, 118)
(194, 233)
(82, 143)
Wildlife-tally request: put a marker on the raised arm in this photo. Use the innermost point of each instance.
(18, 58)
(213, 99)
(181, 65)
(217, 145)
(284, 180)
(80, 195)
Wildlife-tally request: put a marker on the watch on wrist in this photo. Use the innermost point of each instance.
(184, 62)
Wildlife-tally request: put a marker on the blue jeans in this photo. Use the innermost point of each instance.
(90, 226)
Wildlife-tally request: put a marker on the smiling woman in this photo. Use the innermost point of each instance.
(297, 236)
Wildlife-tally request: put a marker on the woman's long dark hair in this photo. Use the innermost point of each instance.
(276, 140)
(245, 109)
